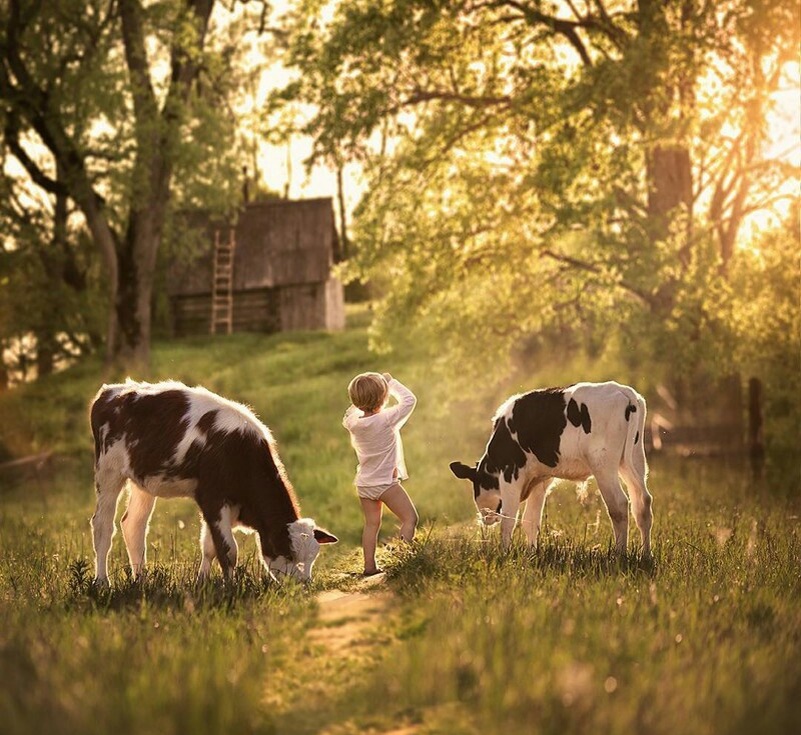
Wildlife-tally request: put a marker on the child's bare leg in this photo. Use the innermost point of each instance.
(398, 501)
(372, 525)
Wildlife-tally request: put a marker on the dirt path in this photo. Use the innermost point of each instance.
(350, 625)
(347, 620)
(346, 639)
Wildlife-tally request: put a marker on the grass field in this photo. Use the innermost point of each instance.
(461, 638)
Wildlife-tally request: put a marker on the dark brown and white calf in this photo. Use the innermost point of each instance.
(166, 440)
(565, 433)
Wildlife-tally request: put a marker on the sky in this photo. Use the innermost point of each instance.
(284, 165)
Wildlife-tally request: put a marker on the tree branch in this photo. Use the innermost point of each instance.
(593, 268)
(29, 101)
(11, 136)
(133, 36)
(476, 102)
(566, 28)
(563, 27)
(183, 60)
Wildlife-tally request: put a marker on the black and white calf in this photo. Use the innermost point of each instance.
(166, 440)
(565, 433)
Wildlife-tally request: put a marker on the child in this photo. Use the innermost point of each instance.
(375, 435)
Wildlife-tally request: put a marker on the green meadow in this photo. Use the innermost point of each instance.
(463, 638)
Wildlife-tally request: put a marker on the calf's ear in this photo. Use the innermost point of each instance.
(321, 536)
(462, 471)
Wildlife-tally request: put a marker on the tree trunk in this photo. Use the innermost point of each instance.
(670, 182)
(106, 242)
(668, 167)
(45, 354)
(342, 250)
(137, 260)
(3, 368)
(756, 435)
(156, 132)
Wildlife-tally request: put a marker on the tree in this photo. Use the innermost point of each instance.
(765, 320)
(48, 282)
(82, 82)
(534, 164)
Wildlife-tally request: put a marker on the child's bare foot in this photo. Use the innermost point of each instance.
(372, 572)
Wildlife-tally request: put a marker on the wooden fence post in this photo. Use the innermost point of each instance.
(756, 437)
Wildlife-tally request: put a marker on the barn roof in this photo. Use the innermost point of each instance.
(278, 243)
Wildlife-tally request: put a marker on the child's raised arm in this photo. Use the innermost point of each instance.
(397, 415)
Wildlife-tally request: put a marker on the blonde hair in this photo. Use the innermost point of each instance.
(368, 391)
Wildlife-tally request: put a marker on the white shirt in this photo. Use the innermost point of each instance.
(377, 441)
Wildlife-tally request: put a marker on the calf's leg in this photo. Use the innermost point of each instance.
(617, 505)
(134, 526)
(108, 486)
(532, 515)
(219, 524)
(641, 502)
(208, 551)
(509, 507)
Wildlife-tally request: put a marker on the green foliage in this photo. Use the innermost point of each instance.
(534, 168)
(50, 285)
(127, 111)
(50, 292)
(765, 318)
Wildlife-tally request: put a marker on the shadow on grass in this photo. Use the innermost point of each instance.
(597, 561)
(162, 588)
(448, 558)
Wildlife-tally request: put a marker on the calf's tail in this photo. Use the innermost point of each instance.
(633, 453)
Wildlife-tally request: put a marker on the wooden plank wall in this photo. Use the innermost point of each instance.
(335, 304)
(254, 311)
(303, 306)
(282, 270)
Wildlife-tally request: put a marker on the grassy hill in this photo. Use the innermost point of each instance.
(566, 639)
(297, 384)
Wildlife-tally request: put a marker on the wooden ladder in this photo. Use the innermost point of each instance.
(222, 297)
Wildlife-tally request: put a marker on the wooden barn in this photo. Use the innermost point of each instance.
(268, 272)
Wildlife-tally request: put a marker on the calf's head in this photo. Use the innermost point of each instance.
(306, 539)
(486, 492)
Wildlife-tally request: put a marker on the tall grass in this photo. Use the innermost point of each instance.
(570, 639)
(567, 638)
(705, 638)
(158, 655)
